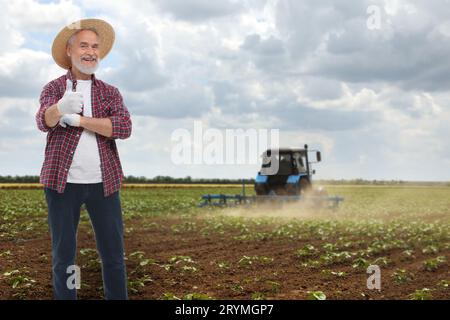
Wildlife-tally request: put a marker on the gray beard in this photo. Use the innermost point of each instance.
(86, 70)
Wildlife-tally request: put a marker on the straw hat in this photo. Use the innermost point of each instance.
(103, 28)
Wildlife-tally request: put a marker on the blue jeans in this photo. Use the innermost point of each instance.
(106, 218)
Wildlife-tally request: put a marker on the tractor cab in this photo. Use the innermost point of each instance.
(285, 171)
(289, 161)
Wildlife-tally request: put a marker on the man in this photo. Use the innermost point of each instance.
(83, 116)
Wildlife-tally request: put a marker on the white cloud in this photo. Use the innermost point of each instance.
(375, 102)
(23, 73)
(199, 10)
(34, 17)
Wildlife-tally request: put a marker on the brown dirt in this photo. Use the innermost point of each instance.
(283, 278)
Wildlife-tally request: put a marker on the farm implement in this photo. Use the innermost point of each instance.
(285, 177)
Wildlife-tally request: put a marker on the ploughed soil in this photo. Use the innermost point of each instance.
(158, 266)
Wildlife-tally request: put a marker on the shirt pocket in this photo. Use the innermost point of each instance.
(104, 107)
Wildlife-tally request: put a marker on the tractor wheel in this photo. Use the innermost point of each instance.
(278, 191)
(261, 190)
(292, 189)
(305, 186)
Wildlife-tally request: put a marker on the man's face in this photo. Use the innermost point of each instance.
(84, 51)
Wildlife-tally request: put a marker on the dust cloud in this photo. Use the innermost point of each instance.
(301, 209)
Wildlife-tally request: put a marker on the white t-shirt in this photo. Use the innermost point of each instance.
(85, 166)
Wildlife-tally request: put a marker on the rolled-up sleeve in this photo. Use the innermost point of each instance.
(47, 99)
(120, 117)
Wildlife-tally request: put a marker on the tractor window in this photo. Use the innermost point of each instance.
(285, 167)
(299, 162)
(267, 160)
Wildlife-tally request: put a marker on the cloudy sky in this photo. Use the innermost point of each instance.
(366, 82)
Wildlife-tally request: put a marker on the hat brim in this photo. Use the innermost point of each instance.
(106, 39)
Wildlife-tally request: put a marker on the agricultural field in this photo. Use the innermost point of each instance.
(175, 250)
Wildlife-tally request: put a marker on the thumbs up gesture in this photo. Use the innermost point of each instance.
(71, 102)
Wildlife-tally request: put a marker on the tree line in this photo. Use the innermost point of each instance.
(190, 180)
(134, 179)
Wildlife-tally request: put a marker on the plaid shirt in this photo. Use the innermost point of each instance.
(61, 142)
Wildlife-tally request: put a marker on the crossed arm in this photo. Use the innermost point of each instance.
(116, 126)
(102, 126)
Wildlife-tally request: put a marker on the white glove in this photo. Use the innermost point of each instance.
(70, 119)
(71, 102)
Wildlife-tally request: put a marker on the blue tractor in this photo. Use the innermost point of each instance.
(286, 172)
(285, 176)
